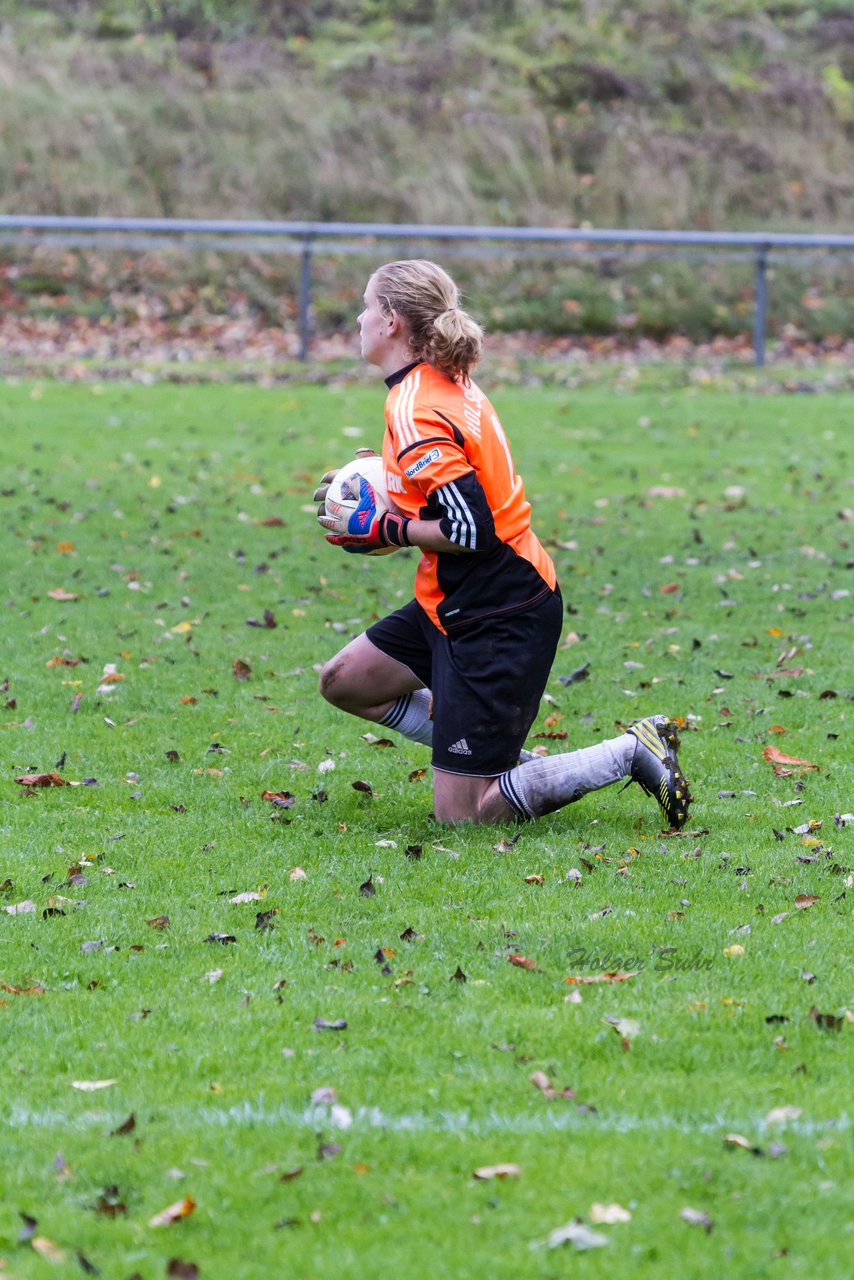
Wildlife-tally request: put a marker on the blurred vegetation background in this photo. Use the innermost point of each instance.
(723, 114)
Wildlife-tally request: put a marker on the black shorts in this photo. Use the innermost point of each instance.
(486, 679)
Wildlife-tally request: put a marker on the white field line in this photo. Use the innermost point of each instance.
(318, 1118)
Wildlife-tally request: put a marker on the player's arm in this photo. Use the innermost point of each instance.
(455, 517)
(428, 535)
(457, 520)
(388, 529)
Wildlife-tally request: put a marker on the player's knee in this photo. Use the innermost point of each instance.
(332, 681)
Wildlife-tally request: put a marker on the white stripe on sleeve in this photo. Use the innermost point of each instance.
(463, 526)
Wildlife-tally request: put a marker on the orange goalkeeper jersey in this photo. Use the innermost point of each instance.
(446, 458)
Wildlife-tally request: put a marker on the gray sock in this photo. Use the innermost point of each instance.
(547, 783)
(410, 716)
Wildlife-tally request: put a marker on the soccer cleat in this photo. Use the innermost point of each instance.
(655, 767)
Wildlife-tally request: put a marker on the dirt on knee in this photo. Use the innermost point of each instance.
(331, 675)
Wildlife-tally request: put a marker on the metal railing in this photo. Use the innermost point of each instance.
(306, 238)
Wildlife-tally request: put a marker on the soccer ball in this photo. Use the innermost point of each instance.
(353, 493)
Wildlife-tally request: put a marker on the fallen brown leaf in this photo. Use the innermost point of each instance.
(743, 1144)
(178, 1270)
(269, 621)
(608, 1214)
(110, 1203)
(28, 1230)
(784, 765)
(825, 1021)
(42, 780)
(782, 1115)
(46, 1248)
(126, 1127)
(616, 976)
(577, 1234)
(506, 845)
(541, 1081)
(173, 1213)
(489, 1171)
(697, 1218)
(280, 799)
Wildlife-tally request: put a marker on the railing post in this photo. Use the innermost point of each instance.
(305, 299)
(760, 305)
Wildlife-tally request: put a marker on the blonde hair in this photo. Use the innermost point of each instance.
(428, 300)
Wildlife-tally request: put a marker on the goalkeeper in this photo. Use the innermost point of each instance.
(463, 666)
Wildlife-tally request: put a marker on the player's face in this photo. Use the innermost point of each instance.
(373, 327)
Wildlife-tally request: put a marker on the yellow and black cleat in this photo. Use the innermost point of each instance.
(655, 767)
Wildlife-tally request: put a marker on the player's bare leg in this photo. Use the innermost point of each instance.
(364, 681)
(466, 798)
(645, 753)
(536, 787)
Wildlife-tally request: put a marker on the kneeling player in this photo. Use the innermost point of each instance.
(463, 666)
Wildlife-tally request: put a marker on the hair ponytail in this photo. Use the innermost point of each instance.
(428, 300)
(453, 343)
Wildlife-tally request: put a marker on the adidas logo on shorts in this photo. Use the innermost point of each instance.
(460, 748)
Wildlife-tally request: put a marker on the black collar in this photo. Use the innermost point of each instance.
(395, 378)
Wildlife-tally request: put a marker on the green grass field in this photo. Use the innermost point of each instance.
(705, 545)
